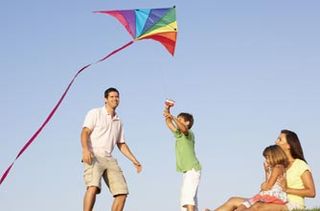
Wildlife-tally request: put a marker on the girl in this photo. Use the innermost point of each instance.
(275, 165)
(299, 179)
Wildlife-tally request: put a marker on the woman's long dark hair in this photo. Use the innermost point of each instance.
(294, 143)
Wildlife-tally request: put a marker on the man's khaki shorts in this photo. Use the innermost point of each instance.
(109, 170)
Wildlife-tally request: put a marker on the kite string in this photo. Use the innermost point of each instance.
(33, 137)
(164, 84)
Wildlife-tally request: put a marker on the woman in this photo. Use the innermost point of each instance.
(298, 178)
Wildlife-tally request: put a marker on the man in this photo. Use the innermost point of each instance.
(102, 131)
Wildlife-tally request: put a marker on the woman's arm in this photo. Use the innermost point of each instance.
(308, 191)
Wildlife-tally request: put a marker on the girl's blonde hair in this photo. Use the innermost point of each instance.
(276, 156)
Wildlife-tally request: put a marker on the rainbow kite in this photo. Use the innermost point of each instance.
(157, 24)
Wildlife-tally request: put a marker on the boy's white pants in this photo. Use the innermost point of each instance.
(189, 189)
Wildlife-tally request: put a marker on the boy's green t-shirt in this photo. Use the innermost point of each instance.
(185, 152)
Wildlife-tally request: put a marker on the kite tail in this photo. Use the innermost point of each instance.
(34, 136)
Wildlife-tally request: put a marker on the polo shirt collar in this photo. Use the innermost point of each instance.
(104, 110)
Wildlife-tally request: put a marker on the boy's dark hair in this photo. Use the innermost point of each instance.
(187, 117)
(111, 89)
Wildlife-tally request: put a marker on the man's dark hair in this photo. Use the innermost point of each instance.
(111, 89)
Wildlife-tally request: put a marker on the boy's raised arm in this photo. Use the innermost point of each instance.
(169, 119)
(181, 126)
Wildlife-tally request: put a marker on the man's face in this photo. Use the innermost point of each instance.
(113, 100)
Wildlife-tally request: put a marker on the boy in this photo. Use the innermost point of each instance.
(186, 160)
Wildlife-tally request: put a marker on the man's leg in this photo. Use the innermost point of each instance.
(90, 198)
(117, 184)
(119, 202)
(190, 207)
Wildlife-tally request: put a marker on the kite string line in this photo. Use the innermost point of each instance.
(33, 137)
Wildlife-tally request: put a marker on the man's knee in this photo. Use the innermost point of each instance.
(93, 190)
(121, 197)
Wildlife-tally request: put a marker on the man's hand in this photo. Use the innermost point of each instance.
(138, 166)
(87, 156)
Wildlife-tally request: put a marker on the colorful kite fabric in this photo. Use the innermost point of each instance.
(156, 24)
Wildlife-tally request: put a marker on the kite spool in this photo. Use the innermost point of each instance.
(169, 102)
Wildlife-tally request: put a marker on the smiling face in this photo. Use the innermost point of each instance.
(112, 100)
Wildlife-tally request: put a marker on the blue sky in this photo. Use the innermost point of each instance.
(244, 69)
